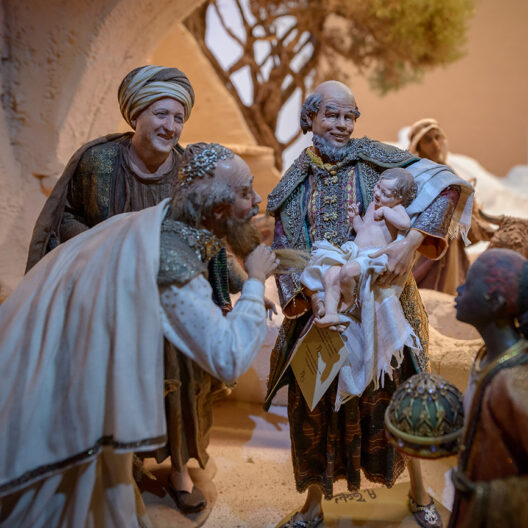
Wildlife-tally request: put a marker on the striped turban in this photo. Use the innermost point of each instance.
(143, 86)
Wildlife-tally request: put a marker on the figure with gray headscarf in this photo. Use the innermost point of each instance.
(127, 172)
(83, 337)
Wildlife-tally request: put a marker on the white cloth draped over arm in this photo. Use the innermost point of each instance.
(224, 346)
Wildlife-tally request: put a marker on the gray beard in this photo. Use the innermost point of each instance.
(330, 153)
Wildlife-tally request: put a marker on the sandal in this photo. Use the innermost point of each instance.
(427, 515)
(312, 523)
(192, 502)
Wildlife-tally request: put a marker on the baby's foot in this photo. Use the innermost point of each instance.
(330, 319)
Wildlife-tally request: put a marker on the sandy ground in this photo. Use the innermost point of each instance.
(255, 485)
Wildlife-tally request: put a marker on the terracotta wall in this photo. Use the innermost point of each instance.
(481, 100)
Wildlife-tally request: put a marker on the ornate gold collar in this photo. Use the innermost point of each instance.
(332, 168)
(478, 373)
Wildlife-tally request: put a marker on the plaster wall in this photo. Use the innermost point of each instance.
(62, 62)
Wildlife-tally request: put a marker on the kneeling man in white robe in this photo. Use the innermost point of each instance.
(81, 344)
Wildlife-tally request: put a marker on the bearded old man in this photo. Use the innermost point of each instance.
(82, 344)
(310, 203)
(129, 172)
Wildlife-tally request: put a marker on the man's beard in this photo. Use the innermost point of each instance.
(328, 152)
(242, 236)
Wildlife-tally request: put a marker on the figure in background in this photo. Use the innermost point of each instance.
(491, 481)
(119, 173)
(82, 345)
(129, 172)
(311, 203)
(428, 140)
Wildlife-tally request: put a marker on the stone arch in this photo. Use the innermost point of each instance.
(62, 62)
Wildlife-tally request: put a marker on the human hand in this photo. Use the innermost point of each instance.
(261, 263)
(401, 257)
(379, 213)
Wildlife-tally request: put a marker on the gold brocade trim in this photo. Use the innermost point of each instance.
(332, 168)
(416, 316)
(478, 373)
(481, 374)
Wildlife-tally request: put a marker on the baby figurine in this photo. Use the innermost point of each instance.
(377, 330)
(383, 221)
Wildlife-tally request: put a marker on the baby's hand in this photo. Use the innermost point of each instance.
(379, 213)
(353, 210)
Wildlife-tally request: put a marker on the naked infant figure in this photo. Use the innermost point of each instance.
(341, 267)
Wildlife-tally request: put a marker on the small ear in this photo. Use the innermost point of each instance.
(497, 303)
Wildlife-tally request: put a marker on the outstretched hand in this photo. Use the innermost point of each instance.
(401, 257)
(261, 263)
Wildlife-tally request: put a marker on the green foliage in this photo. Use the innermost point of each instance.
(395, 41)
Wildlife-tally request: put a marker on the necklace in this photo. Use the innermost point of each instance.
(478, 373)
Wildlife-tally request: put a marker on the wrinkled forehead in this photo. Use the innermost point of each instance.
(339, 103)
(235, 172)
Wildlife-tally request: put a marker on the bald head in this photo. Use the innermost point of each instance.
(330, 112)
(336, 89)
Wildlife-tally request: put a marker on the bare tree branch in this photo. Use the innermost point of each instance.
(390, 42)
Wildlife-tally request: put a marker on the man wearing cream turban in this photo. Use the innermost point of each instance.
(120, 172)
(428, 140)
(129, 172)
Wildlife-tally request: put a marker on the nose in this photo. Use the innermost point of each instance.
(256, 198)
(170, 124)
(341, 123)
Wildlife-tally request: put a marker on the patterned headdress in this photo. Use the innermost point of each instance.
(200, 160)
(146, 85)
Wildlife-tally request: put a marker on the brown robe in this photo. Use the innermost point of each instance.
(449, 271)
(494, 452)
